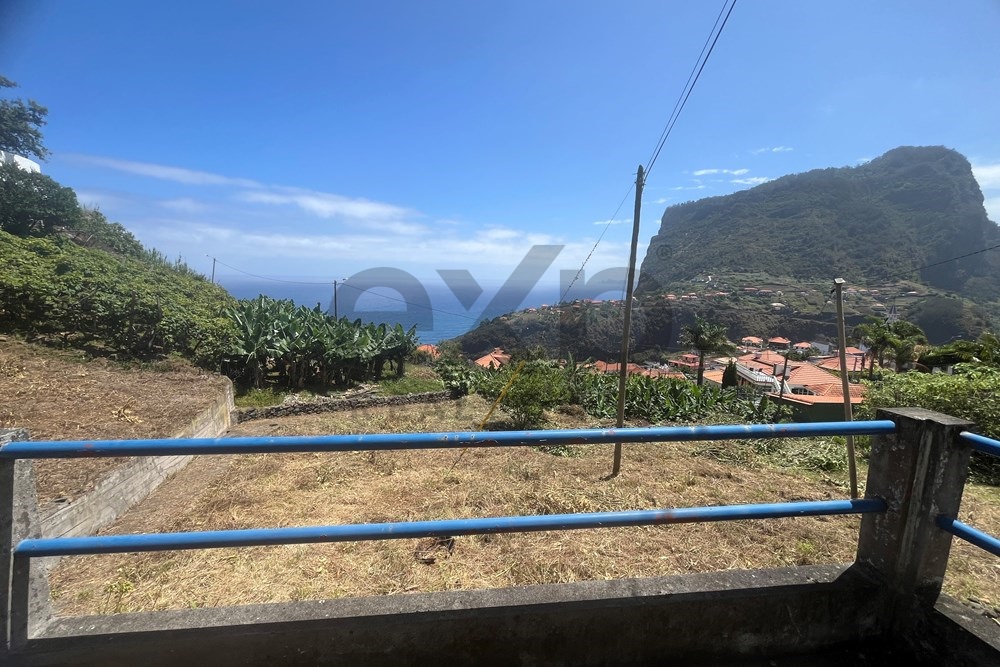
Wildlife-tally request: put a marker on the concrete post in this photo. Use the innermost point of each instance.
(920, 472)
(24, 592)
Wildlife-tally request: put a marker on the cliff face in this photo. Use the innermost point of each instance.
(878, 222)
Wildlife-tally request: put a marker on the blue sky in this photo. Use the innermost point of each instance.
(314, 140)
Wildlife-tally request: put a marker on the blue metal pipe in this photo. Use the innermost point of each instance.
(981, 443)
(106, 544)
(969, 534)
(389, 441)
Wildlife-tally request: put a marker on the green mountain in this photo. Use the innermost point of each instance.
(762, 262)
(892, 219)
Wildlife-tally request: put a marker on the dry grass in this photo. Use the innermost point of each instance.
(314, 489)
(61, 395)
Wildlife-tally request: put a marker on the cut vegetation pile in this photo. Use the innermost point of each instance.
(315, 489)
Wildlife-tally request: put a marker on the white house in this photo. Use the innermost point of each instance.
(22, 162)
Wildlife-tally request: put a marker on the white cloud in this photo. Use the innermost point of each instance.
(184, 204)
(326, 205)
(753, 180)
(772, 149)
(992, 205)
(164, 172)
(661, 200)
(731, 172)
(688, 187)
(988, 175)
(615, 222)
(862, 160)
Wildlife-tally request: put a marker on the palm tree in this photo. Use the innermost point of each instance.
(876, 334)
(906, 339)
(705, 337)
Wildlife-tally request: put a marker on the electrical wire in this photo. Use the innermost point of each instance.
(586, 259)
(692, 80)
(685, 95)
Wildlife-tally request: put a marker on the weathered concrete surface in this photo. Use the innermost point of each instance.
(123, 487)
(714, 616)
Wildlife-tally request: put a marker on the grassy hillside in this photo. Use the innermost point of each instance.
(132, 306)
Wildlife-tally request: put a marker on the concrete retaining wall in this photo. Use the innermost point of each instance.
(249, 414)
(125, 486)
(676, 620)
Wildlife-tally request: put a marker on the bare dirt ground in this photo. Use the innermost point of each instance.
(61, 395)
(317, 489)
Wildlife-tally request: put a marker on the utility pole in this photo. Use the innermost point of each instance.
(838, 286)
(213, 267)
(627, 324)
(335, 316)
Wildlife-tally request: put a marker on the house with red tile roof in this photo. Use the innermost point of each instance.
(752, 341)
(778, 343)
(494, 359)
(430, 350)
(802, 347)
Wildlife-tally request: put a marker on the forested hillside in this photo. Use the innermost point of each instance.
(893, 218)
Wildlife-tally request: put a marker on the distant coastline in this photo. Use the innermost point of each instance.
(447, 320)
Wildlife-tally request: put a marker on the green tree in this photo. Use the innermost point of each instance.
(876, 335)
(538, 387)
(705, 337)
(730, 378)
(20, 125)
(906, 341)
(32, 204)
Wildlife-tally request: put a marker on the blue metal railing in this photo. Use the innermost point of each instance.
(65, 546)
(106, 544)
(26, 549)
(384, 442)
(985, 541)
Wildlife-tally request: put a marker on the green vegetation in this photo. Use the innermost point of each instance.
(876, 225)
(303, 346)
(538, 387)
(418, 380)
(110, 304)
(705, 337)
(970, 393)
(20, 125)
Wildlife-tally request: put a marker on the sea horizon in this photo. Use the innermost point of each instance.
(444, 318)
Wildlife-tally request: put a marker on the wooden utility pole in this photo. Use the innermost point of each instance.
(627, 324)
(838, 286)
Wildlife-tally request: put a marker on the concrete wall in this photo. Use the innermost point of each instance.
(704, 617)
(125, 486)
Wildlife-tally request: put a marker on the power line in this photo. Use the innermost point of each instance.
(953, 259)
(682, 101)
(692, 80)
(586, 259)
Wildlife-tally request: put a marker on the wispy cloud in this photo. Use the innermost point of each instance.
(773, 149)
(712, 172)
(163, 172)
(661, 200)
(184, 205)
(988, 175)
(326, 205)
(615, 222)
(992, 205)
(752, 180)
(688, 187)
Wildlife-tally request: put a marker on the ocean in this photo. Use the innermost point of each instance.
(433, 308)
